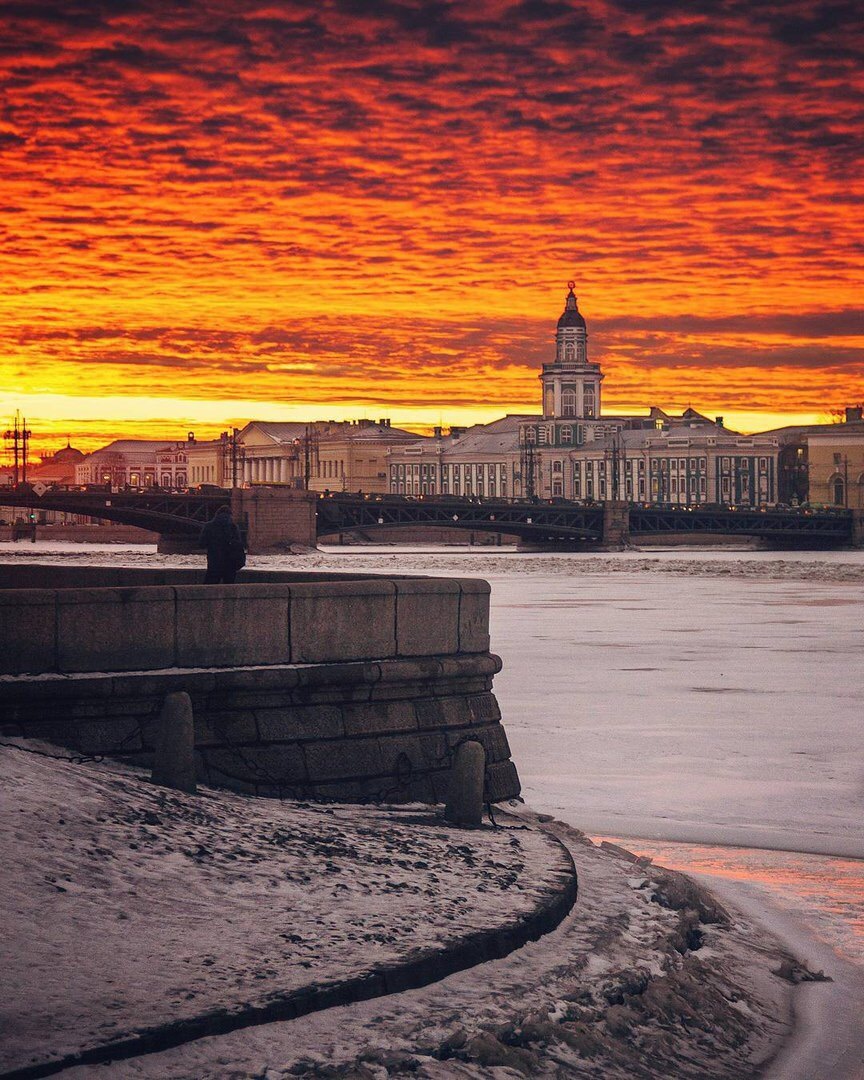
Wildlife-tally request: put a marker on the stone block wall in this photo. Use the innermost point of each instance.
(276, 517)
(331, 687)
(276, 620)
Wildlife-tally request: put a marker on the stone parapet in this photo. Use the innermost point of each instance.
(327, 686)
(144, 627)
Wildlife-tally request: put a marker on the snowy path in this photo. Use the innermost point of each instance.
(127, 906)
(608, 994)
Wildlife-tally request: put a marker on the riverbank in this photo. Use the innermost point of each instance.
(730, 709)
(131, 908)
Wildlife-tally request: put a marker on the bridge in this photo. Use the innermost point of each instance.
(537, 522)
(276, 516)
(558, 521)
(166, 513)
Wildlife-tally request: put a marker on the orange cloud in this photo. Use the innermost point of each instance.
(329, 205)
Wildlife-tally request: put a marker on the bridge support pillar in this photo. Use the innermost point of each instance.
(858, 528)
(616, 525)
(275, 518)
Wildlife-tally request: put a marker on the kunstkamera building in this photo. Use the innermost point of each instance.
(574, 451)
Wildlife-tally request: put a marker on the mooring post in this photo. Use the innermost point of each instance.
(174, 765)
(465, 794)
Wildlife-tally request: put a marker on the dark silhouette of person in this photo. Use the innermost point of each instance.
(225, 553)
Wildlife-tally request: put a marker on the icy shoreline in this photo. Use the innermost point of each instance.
(126, 903)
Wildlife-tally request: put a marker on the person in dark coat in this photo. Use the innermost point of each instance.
(225, 553)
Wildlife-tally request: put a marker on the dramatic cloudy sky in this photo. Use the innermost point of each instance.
(213, 210)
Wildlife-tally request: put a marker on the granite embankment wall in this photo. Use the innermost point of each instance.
(328, 685)
(104, 533)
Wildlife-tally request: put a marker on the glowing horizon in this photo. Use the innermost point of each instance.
(232, 212)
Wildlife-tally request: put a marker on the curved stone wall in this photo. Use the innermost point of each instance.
(302, 685)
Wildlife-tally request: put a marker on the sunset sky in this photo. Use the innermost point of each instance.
(215, 211)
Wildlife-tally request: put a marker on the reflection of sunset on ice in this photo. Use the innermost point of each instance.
(329, 209)
(799, 881)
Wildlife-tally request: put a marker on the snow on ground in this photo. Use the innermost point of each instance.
(691, 697)
(127, 905)
(828, 1040)
(608, 995)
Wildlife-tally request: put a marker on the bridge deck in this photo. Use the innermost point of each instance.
(183, 514)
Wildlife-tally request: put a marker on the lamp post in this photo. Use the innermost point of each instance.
(232, 453)
(19, 434)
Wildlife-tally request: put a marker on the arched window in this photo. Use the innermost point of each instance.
(568, 403)
(839, 491)
(569, 351)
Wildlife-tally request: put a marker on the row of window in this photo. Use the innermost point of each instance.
(572, 350)
(135, 478)
(474, 479)
(544, 435)
(679, 464)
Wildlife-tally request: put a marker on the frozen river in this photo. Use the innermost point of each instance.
(704, 707)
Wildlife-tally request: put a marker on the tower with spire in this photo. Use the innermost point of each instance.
(571, 384)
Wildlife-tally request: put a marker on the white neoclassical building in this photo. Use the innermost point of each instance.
(573, 451)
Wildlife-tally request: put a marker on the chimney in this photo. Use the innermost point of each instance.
(718, 420)
(436, 431)
(854, 414)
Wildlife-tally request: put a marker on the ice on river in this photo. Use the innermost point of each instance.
(703, 696)
(719, 710)
(691, 698)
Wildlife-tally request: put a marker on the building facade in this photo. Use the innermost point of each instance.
(325, 455)
(137, 463)
(477, 462)
(836, 462)
(573, 451)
